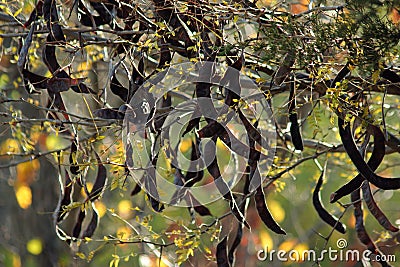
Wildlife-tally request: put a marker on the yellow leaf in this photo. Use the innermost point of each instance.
(17, 12)
(188, 243)
(116, 262)
(73, 205)
(190, 252)
(81, 255)
(207, 250)
(375, 76)
(100, 137)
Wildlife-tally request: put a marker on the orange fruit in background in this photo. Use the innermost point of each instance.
(299, 7)
(27, 171)
(395, 16)
(9, 146)
(23, 194)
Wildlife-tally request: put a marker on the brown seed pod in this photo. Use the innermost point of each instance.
(264, 212)
(360, 228)
(118, 89)
(295, 133)
(285, 68)
(74, 168)
(60, 213)
(222, 253)
(91, 227)
(375, 210)
(362, 166)
(78, 225)
(374, 161)
(322, 212)
(151, 185)
(224, 189)
(100, 182)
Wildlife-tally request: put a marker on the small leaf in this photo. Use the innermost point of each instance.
(81, 255)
